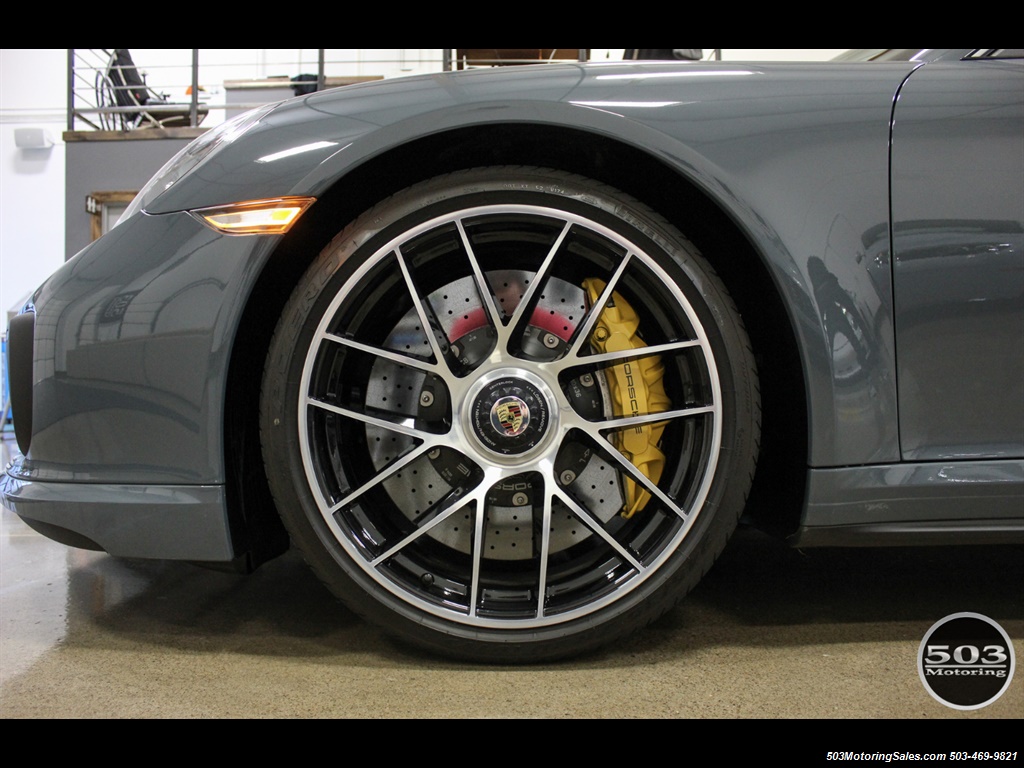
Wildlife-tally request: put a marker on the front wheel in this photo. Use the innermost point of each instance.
(510, 414)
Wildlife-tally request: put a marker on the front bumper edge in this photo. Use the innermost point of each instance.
(167, 522)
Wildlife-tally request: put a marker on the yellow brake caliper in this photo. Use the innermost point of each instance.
(636, 387)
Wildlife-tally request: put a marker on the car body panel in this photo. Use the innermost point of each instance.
(914, 503)
(160, 522)
(797, 156)
(718, 136)
(959, 266)
(113, 401)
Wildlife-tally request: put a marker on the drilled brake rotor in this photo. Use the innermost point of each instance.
(509, 529)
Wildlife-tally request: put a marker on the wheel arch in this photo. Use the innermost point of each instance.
(781, 472)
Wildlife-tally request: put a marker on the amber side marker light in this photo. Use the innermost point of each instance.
(274, 216)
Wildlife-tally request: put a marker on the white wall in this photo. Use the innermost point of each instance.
(33, 84)
(33, 93)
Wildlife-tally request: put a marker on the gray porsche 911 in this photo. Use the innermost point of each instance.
(508, 354)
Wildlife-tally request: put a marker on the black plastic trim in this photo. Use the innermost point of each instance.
(20, 342)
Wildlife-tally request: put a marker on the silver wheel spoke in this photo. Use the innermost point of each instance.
(389, 471)
(404, 427)
(596, 526)
(421, 309)
(593, 427)
(545, 545)
(620, 356)
(645, 482)
(421, 530)
(482, 286)
(477, 551)
(584, 329)
(538, 279)
(386, 354)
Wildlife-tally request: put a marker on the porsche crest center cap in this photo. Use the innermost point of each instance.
(510, 416)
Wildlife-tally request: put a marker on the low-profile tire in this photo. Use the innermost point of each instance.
(473, 457)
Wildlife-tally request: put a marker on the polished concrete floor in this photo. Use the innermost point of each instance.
(771, 633)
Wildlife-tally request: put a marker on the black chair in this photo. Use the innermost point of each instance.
(121, 85)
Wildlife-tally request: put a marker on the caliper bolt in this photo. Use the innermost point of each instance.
(567, 477)
(433, 453)
(550, 341)
(587, 380)
(520, 499)
(455, 350)
(427, 398)
(601, 333)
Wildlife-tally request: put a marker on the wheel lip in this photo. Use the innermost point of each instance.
(540, 463)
